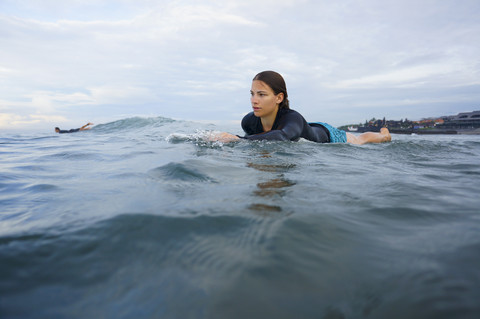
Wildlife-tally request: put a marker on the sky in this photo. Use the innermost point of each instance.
(68, 62)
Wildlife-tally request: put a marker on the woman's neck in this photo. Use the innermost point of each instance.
(268, 121)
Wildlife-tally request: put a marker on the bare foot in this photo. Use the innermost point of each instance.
(386, 133)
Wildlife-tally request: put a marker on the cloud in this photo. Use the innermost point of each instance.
(44, 101)
(190, 59)
(13, 121)
(120, 95)
(405, 77)
(4, 71)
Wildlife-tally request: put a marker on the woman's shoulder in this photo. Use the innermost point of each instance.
(249, 118)
(290, 113)
(287, 111)
(250, 123)
(295, 112)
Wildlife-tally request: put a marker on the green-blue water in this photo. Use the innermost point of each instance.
(142, 218)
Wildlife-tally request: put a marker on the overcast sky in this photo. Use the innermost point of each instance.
(66, 62)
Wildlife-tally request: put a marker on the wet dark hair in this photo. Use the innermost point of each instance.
(276, 82)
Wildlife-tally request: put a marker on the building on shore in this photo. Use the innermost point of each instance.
(462, 123)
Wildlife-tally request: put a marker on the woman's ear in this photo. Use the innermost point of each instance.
(280, 97)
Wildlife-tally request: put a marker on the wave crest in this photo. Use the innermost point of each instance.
(134, 123)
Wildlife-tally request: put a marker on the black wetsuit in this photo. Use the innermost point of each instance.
(73, 130)
(289, 125)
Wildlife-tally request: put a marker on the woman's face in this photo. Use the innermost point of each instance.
(264, 101)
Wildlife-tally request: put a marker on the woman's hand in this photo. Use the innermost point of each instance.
(223, 137)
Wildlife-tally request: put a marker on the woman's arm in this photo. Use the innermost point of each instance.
(223, 137)
(83, 128)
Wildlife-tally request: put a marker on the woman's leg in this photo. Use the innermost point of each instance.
(370, 137)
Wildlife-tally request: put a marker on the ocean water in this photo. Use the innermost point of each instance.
(144, 218)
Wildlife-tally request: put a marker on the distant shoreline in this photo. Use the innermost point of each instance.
(462, 123)
(425, 131)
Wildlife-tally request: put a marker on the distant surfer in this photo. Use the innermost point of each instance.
(272, 118)
(73, 130)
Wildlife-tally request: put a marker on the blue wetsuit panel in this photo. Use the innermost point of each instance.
(336, 135)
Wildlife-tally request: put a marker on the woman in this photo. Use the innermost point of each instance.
(272, 118)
